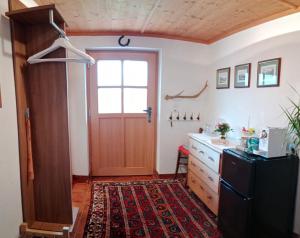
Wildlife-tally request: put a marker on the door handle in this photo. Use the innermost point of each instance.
(149, 113)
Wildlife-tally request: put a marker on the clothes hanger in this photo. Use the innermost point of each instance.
(61, 42)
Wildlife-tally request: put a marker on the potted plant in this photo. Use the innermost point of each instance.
(223, 129)
(293, 115)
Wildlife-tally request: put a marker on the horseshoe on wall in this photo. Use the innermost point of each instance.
(123, 44)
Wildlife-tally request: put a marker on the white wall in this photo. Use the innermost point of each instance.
(186, 66)
(251, 36)
(181, 68)
(262, 105)
(10, 198)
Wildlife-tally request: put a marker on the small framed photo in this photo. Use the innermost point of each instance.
(223, 78)
(242, 75)
(268, 73)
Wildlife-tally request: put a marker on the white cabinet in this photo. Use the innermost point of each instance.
(204, 171)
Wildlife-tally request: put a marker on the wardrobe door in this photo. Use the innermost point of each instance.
(47, 87)
(44, 135)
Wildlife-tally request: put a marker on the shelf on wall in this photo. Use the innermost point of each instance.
(35, 15)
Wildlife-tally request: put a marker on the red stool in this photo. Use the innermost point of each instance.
(182, 158)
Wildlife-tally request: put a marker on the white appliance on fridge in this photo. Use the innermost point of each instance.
(273, 142)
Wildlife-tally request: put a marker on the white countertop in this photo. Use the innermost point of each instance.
(207, 140)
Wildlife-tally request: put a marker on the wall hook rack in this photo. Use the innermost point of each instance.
(182, 117)
(178, 95)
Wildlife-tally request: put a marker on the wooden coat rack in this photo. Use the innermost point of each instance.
(42, 89)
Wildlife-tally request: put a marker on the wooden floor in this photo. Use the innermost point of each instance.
(82, 196)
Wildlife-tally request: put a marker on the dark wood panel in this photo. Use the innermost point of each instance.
(47, 91)
(19, 59)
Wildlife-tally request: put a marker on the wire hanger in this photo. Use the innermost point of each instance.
(63, 42)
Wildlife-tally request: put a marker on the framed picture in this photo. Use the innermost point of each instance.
(268, 73)
(223, 78)
(242, 75)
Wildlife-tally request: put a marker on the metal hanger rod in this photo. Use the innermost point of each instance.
(58, 29)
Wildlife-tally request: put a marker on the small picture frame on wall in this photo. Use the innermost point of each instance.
(268, 73)
(242, 75)
(223, 78)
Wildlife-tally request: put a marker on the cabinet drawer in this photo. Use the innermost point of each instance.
(212, 159)
(207, 155)
(197, 149)
(204, 173)
(207, 196)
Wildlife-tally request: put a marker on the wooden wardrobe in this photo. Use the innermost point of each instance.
(41, 88)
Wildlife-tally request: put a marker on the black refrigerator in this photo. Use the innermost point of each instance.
(257, 195)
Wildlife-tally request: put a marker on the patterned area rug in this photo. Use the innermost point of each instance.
(156, 208)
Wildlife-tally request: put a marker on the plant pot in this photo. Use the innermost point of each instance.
(222, 136)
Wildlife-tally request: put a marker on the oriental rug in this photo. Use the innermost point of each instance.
(156, 208)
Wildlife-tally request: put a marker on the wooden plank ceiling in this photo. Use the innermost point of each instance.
(204, 21)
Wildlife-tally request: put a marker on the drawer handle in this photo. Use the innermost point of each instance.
(209, 197)
(193, 164)
(193, 181)
(210, 158)
(201, 151)
(194, 147)
(233, 163)
(201, 187)
(210, 178)
(201, 170)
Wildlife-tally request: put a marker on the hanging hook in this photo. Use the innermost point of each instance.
(123, 44)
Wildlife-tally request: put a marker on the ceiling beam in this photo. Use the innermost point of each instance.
(288, 4)
(155, 6)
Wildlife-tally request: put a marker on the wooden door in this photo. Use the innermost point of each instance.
(121, 85)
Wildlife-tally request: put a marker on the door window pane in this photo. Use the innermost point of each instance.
(109, 100)
(109, 72)
(135, 100)
(135, 73)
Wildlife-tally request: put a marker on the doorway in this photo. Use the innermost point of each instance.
(122, 101)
